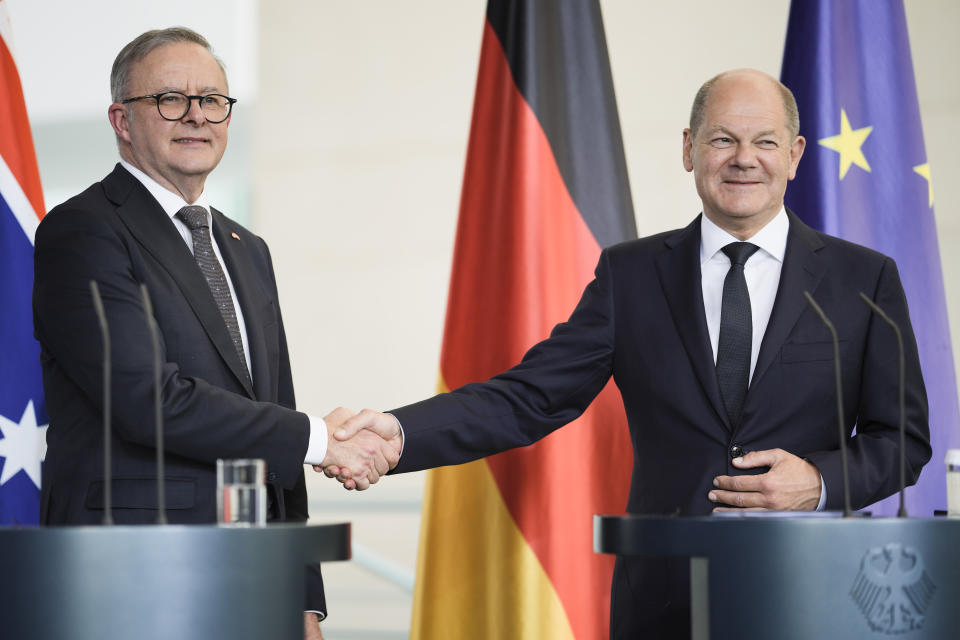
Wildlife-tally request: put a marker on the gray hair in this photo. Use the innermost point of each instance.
(142, 45)
(698, 111)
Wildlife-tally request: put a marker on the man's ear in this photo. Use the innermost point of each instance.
(687, 150)
(796, 152)
(119, 120)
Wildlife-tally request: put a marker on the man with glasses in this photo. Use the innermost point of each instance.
(226, 382)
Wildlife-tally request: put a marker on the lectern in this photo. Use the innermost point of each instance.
(160, 582)
(796, 578)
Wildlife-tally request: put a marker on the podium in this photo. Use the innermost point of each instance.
(795, 578)
(160, 582)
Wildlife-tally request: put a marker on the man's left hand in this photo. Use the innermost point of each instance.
(791, 484)
(311, 626)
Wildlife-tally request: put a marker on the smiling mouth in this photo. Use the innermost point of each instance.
(189, 140)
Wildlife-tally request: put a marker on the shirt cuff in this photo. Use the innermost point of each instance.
(317, 445)
(823, 494)
(403, 436)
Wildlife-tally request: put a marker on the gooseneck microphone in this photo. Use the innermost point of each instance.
(836, 368)
(902, 512)
(107, 468)
(157, 409)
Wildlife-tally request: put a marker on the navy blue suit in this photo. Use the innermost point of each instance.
(642, 321)
(116, 233)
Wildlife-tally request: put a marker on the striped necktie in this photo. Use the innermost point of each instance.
(196, 220)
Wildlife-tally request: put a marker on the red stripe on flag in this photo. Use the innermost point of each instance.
(16, 140)
(523, 256)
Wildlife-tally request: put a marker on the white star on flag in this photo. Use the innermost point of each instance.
(23, 446)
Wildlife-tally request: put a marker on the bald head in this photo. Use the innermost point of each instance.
(742, 148)
(744, 77)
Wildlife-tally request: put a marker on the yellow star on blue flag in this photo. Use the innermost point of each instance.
(848, 144)
(924, 170)
(853, 58)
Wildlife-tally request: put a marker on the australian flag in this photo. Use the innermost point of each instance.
(865, 177)
(23, 413)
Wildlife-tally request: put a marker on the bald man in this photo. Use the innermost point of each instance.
(726, 374)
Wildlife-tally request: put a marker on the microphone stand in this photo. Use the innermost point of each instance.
(902, 512)
(839, 383)
(107, 474)
(157, 410)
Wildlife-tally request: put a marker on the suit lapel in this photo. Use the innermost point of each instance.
(152, 228)
(679, 272)
(802, 271)
(251, 297)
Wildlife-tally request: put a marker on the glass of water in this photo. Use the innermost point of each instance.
(242, 492)
(953, 483)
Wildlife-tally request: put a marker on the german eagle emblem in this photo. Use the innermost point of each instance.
(892, 589)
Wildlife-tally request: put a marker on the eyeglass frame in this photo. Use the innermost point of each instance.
(190, 99)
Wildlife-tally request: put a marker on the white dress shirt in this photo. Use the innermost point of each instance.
(171, 203)
(762, 273)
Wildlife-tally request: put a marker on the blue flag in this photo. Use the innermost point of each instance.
(865, 177)
(23, 416)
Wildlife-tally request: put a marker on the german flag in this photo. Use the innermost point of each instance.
(506, 545)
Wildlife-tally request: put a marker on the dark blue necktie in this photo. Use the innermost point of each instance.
(736, 332)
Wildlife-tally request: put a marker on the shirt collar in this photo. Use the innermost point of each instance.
(169, 201)
(772, 238)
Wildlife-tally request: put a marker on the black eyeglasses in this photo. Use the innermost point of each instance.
(174, 105)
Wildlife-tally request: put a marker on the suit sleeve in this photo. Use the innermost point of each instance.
(295, 498)
(203, 421)
(874, 450)
(555, 382)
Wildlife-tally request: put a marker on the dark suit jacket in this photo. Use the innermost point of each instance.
(116, 233)
(642, 321)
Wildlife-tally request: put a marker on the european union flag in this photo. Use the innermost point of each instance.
(22, 409)
(865, 177)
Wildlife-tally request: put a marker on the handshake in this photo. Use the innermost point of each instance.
(361, 447)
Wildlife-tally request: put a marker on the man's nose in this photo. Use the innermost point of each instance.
(746, 156)
(194, 112)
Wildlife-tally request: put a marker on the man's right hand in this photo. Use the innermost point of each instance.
(369, 427)
(360, 458)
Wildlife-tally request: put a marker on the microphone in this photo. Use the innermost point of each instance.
(836, 369)
(157, 411)
(902, 512)
(105, 333)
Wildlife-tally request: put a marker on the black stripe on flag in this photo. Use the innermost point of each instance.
(557, 52)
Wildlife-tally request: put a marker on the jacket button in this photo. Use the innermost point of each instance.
(736, 451)
(271, 476)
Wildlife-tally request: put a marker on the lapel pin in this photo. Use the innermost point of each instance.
(235, 236)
